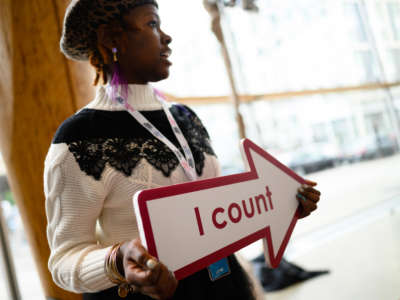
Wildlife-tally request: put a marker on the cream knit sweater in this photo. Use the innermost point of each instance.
(88, 213)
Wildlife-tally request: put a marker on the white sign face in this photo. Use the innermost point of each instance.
(192, 225)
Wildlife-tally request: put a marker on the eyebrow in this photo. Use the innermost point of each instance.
(153, 14)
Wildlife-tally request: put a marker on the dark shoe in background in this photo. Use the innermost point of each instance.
(285, 275)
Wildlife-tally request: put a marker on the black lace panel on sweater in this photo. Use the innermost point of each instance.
(124, 151)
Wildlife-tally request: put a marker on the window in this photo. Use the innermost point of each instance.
(355, 22)
(341, 130)
(375, 123)
(25, 269)
(393, 9)
(366, 61)
(320, 132)
(394, 55)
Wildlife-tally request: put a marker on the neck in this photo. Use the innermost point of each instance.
(136, 81)
(128, 75)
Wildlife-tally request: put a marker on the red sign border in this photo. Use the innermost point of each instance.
(148, 195)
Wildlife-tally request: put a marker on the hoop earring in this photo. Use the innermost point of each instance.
(114, 51)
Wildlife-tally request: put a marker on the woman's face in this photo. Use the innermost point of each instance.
(144, 51)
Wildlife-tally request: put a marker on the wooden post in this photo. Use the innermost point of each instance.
(216, 28)
(39, 88)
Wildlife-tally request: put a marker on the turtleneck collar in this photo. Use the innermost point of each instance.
(140, 96)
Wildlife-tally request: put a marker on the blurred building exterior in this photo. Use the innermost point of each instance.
(322, 47)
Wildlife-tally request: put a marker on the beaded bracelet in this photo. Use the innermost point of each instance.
(111, 269)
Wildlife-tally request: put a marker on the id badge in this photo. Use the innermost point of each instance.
(219, 269)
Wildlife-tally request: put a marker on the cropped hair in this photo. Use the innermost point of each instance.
(101, 59)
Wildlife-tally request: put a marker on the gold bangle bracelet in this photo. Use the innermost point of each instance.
(111, 270)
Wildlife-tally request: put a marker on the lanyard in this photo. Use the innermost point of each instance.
(187, 161)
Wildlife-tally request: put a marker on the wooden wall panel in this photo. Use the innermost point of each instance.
(39, 89)
(80, 73)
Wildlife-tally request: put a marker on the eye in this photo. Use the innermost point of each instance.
(153, 24)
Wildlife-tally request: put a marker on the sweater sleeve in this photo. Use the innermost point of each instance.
(73, 204)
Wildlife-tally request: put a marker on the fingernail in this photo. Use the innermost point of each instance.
(173, 274)
(151, 264)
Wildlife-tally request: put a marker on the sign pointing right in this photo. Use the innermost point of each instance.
(190, 226)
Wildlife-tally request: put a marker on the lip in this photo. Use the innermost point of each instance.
(166, 61)
(165, 54)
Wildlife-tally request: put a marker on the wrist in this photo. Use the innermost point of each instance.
(111, 269)
(120, 260)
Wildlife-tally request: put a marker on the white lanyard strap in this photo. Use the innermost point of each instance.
(186, 161)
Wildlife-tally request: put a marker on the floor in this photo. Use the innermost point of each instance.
(364, 263)
(355, 234)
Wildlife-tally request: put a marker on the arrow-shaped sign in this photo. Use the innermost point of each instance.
(192, 225)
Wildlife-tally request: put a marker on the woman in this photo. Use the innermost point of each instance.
(112, 148)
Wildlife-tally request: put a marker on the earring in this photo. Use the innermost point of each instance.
(114, 51)
(118, 84)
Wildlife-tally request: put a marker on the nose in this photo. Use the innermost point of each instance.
(166, 39)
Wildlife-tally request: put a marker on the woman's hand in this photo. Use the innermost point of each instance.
(144, 272)
(308, 198)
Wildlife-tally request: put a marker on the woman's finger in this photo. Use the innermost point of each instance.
(140, 255)
(307, 205)
(140, 267)
(309, 195)
(308, 188)
(168, 284)
(164, 288)
(309, 182)
(303, 214)
(137, 276)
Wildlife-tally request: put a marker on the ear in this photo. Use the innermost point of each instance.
(110, 36)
